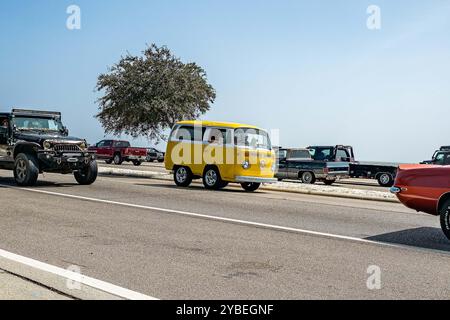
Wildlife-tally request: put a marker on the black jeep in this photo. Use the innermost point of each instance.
(33, 142)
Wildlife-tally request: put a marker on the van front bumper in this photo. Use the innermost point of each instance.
(246, 179)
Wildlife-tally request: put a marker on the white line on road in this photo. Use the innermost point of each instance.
(235, 221)
(88, 281)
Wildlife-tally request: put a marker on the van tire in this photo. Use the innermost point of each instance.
(182, 176)
(212, 179)
(26, 170)
(444, 212)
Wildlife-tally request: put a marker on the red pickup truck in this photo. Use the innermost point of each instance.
(118, 151)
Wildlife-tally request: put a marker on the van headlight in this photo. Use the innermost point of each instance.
(246, 165)
(47, 145)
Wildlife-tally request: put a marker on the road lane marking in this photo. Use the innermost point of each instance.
(236, 221)
(88, 281)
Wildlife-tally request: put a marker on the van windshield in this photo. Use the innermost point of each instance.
(253, 138)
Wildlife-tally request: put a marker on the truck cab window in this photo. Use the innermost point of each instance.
(342, 154)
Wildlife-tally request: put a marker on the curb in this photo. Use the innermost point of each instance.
(104, 171)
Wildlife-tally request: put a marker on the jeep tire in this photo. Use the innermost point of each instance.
(26, 169)
(88, 174)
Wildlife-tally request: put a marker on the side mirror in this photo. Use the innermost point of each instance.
(65, 131)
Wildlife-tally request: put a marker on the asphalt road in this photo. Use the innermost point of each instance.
(362, 184)
(174, 243)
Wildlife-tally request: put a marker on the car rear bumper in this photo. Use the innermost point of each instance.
(248, 179)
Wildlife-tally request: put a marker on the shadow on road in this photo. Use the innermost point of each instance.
(425, 237)
(9, 182)
(197, 188)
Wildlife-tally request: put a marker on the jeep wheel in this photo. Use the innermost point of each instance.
(117, 159)
(137, 163)
(182, 176)
(250, 187)
(108, 161)
(385, 180)
(329, 182)
(26, 170)
(87, 175)
(444, 212)
(212, 179)
(308, 178)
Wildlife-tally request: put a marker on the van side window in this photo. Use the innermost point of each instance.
(218, 136)
(189, 133)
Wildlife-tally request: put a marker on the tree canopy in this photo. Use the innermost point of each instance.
(145, 95)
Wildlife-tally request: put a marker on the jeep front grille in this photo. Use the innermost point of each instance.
(67, 148)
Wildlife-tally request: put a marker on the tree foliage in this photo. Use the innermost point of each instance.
(145, 95)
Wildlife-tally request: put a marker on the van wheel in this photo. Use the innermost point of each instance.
(26, 170)
(308, 178)
(182, 176)
(87, 175)
(117, 159)
(250, 187)
(385, 180)
(212, 179)
(445, 218)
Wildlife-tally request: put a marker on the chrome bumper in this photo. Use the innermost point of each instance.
(242, 179)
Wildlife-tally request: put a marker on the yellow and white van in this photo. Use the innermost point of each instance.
(220, 153)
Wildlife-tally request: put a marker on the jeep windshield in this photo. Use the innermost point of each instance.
(252, 138)
(37, 124)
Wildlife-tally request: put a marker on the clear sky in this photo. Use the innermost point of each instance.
(311, 69)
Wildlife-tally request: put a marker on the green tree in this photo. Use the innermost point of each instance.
(145, 95)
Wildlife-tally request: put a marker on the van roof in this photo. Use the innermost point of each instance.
(217, 124)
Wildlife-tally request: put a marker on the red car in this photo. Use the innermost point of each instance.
(118, 151)
(425, 188)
